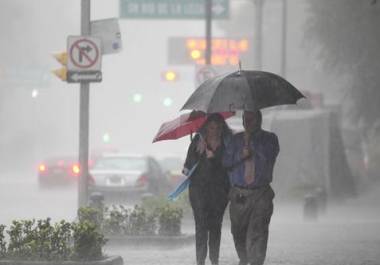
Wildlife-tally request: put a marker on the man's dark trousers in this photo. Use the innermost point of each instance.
(250, 213)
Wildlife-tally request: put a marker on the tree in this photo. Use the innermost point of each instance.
(345, 36)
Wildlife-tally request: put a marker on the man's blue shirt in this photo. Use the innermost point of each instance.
(265, 148)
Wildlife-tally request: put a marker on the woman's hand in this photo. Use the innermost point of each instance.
(201, 146)
(209, 153)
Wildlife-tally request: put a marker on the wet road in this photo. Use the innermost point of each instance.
(333, 242)
(348, 234)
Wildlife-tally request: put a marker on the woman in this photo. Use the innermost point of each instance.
(209, 185)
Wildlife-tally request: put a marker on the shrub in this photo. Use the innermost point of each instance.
(151, 204)
(169, 218)
(22, 242)
(61, 240)
(115, 220)
(88, 241)
(153, 217)
(31, 240)
(3, 245)
(40, 239)
(140, 222)
(91, 215)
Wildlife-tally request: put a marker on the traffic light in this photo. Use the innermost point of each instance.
(195, 54)
(34, 93)
(61, 73)
(106, 138)
(137, 98)
(170, 76)
(167, 102)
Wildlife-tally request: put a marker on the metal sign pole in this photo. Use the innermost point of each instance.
(208, 16)
(84, 115)
(284, 37)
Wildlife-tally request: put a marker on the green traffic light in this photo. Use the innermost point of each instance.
(106, 138)
(168, 102)
(137, 98)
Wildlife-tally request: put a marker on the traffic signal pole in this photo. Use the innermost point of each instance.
(208, 17)
(84, 115)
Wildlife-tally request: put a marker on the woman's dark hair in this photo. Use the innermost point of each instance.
(218, 118)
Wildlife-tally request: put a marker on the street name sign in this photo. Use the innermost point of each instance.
(77, 77)
(172, 9)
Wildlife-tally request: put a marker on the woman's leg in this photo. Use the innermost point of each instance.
(201, 229)
(215, 226)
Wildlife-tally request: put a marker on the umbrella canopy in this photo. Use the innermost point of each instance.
(184, 125)
(242, 90)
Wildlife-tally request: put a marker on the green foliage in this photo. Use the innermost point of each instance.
(22, 240)
(344, 33)
(31, 240)
(154, 216)
(115, 220)
(88, 241)
(151, 204)
(91, 215)
(140, 222)
(3, 244)
(60, 240)
(39, 241)
(169, 218)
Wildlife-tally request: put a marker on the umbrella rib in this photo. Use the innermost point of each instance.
(250, 96)
(222, 78)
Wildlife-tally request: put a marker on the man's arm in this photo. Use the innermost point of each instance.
(272, 147)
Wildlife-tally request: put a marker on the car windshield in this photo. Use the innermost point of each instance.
(121, 163)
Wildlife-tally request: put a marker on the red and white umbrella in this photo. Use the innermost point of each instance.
(184, 125)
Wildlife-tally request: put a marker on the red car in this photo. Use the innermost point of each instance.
(58, 171)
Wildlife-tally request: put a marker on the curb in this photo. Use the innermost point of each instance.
(155, 240)
(112, 260)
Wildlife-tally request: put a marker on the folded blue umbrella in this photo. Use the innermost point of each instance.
(183, 185)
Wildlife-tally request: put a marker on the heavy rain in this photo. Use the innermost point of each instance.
(140, 61)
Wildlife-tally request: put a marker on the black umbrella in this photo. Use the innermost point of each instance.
(242, 90)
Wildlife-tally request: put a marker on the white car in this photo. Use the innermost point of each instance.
(128, 175)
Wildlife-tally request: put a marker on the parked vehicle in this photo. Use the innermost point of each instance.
(58, 171)
(172, 165)
(127, 175)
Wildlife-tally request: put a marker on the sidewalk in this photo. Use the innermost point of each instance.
(347, 234)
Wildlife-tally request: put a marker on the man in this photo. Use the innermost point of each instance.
(250, 158)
